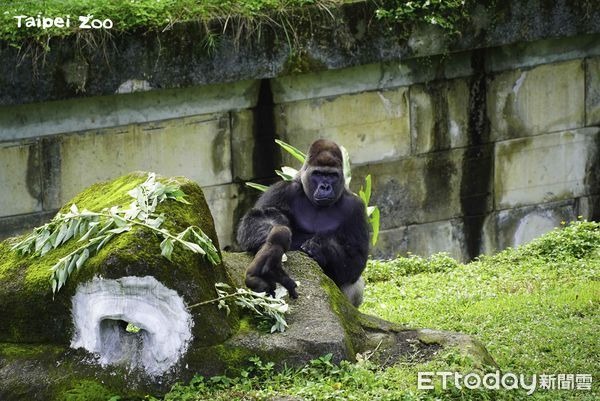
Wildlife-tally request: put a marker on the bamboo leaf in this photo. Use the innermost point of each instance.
(283, 175)
(62, 233)
(47, 246)
(120, 230)
(367, 189)
(166, 248)
(299, 155)
(254, 185)
(82, 258)
(71, 265)
(375, 224)
(346, 166)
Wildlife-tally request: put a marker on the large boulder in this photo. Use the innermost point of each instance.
(76, 340)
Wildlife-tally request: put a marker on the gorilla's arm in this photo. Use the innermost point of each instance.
(271, 209)
(343, 253)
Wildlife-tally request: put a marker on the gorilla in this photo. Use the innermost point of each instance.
(266, 270)
(327, 221)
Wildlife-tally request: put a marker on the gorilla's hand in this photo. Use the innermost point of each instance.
(313, 248)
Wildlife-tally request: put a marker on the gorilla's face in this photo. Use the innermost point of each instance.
(323, 186)
(322, 174)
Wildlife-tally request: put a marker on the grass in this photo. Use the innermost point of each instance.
(244, 17)
(537, 309)
(132, 15)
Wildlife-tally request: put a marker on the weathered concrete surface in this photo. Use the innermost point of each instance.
(592, 100)
(20, 179)
(36, 120)
(546, 51)
(546, 168)
(427, 188)
(514, 227)
(41, 333)
(228, 203)
(372, 126)
(192, 146)
(177, 57)
(440, 236)
(370, 77)
(391, 242)
(439, 116)
(544, 99)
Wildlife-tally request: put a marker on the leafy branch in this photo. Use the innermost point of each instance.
(267, 307)
(96, 229)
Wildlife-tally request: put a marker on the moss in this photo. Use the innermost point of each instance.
(300, 62)
(87, 390)
(14, 351)
(353, 332)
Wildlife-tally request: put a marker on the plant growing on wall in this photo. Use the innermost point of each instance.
(288, 173)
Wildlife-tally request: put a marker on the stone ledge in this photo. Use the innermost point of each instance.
(176, 58)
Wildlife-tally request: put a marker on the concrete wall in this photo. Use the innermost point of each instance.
(469, 152)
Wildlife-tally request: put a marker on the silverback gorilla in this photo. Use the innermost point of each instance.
(327, 221)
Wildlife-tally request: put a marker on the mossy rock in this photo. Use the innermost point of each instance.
(41, 351)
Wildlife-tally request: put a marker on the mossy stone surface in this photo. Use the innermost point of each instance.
(33, 316)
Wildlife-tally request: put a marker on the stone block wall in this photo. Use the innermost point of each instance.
(469, 152)
(50, 151)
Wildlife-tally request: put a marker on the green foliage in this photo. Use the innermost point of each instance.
(372, 211)
(270, 310)
(297, 153)
(448, 14)
(378, 270)
(536, 308)
(88, 390)
(96, 229)
(130, 15)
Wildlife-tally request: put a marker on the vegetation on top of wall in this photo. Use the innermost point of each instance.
(448, 14)
(160, 15)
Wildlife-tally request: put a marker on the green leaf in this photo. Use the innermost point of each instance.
(260, 187)
(375, 225)
(120, 230)
(367, 189)
(166, 248)
(301, 156)
(347, 168)
(71, 265)
(82, 258)
(62, 233)
(283, 175)
(107, 238)
(119, 221)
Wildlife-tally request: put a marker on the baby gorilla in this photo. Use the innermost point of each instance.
(266, 270)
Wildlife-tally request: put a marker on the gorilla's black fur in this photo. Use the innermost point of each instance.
(327, 221)
(266, 270)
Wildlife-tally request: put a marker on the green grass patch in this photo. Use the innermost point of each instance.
(132, 15)
(536, 308)
(243, 17)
